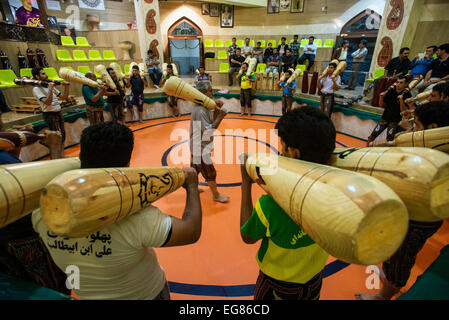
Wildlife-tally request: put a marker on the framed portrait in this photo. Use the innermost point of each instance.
(273, 6)
(297, 6)
(285, 5)
(214, 10)
(227, 16)
(205, 9)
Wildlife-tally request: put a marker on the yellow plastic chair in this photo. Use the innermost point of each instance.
(328, 43)
(209, 43)
(82, 42)
(304, 42)
(109, 55)
(67, 41)
(52, 74)
(228, 43)
(80, 55)
(219, 44)
(84, 69)
(318, 42)
(94, 55)
(224, 67)
(302, 67)
(261, 67)
(63, 55)
(26, 72)
(377, 74)
(7, 77)
(222, 55)
(252, 43)
(126, 68)
(240, 43)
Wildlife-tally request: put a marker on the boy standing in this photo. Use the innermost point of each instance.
(246, 85)
(287, 92)
(328, 84)
(137, 85)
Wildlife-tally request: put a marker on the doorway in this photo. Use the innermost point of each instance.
(186, 54)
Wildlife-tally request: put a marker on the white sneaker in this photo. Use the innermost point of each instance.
(156, 86)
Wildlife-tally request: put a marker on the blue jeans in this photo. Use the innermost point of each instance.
(310, 57)
(155, 75)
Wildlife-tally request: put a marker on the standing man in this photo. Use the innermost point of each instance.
(172, 100)
(258, 52)
(246, 85)
(392, 100)
(358, 57)
(282, 48)
(288, 270)
(309, 53)
(48, 101)
(154, 71)
(202, 124)
(341, 53)
(268, 52)
(232, 48)
(236, 63)
(247, 49)
(137, 84)
(295, 46)
(328, 85)
(93, 97)
(115, 98)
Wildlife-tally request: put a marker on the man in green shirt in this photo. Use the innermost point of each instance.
(290, 262)
(93, 98)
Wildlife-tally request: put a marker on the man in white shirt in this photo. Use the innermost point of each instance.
(119, 261)
(309, 53)
(328, 84)
(247, 49)
(48, 101)
(358, 58)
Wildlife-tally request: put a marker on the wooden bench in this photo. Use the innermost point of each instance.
(28, 108)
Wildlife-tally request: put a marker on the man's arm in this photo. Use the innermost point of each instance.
(99, 94)
(335, 86)
(187, 230)
(66, 90)
(246, 206)
(219, 114)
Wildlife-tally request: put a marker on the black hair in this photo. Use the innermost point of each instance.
(258, 42)
(36, 71)
(283, 38)
(238, 49)
(309, 130)
(446, 90)
(245, 64)
(169, 66)
(333, 64)
(109, 69)
(435, 48)
(312, 37)
(444, 47)
(136, 67)
(403, 49)
(296, 36)
(149, 51)
(439, 87)
(289, 72)
(433, 112)
(106, 145)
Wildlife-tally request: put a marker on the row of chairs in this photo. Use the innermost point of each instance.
(80, 42)
(261, 67)
(328, 43)
(80, 56)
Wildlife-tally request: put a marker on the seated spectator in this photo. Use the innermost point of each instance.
(439, 70)
(258, 52)
(232, 48)
(295, 46)
(420, 66)
(287, 61)
(235, 64)
(154, 71)
(202, 76)
(247, 49)
(282, 47)
(273, 62)
(268, 52)
(434, 114)
(309, 53)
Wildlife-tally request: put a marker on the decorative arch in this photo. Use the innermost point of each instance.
(187, 22)
(366, 24)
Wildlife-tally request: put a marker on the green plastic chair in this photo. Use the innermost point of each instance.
(329, 43)
(302, 67)
(222, 55)
(109, 55)
(273, 43)
(228, 43)
(82, 42)
(80, 55)
(97, 74)
(84, 69)
(240, 43)
(7, 79)
(63, 55)
(212, 52)
(304, 42)
(219, 44)
(67, 41)
(26, 72)
(119, 68)
(52, 74)
(208, 43)
(94, 55)
(126, 68)
(318, 42)
(224, 67)
(261, 67)
(262, 43)
(252, 43)
(377, 74)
